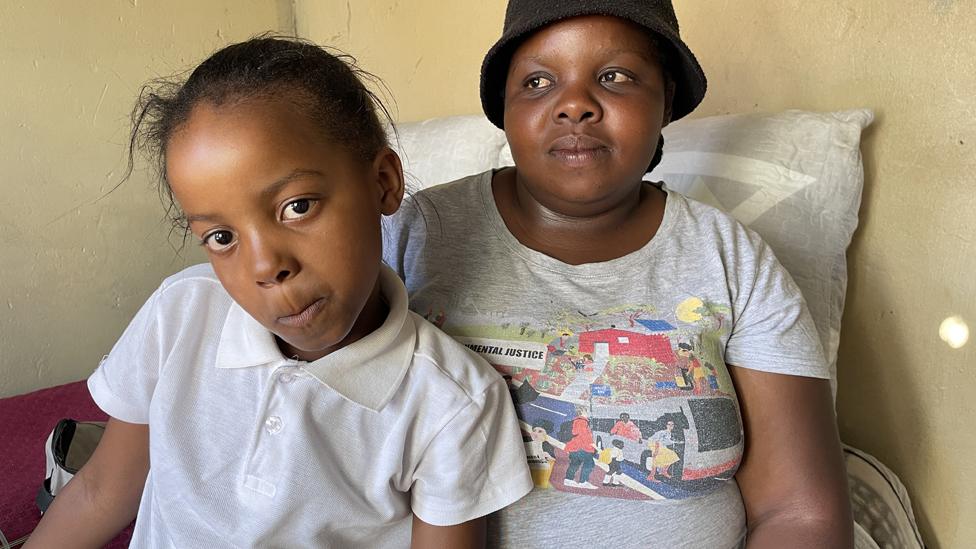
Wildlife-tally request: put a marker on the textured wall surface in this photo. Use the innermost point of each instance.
(904, 394)
(428, 52)
(76, 261)
(74, 265)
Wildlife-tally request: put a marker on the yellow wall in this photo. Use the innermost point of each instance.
(74, 266)
(903, 393)
(73, 269)
(428, 52)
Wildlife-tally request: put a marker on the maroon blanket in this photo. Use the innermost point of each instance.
(25, 422)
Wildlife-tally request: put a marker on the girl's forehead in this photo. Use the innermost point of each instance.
(252, 142)
(243, 109)
(250, 122)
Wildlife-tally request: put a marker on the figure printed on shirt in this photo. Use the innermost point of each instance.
(615, 455)
(436, 320)
(712, 377)
(686, 363)
(540, 452)
(626, 428)
(581, 450)
(663, 456)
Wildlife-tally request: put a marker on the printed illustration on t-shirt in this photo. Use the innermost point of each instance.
(626, 402)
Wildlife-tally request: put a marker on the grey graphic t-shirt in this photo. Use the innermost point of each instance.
(617, 369)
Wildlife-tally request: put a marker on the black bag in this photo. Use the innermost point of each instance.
(68, 447)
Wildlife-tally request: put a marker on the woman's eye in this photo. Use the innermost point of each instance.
(296, 209)
(614, 76)
(218, 241)
(538, 82)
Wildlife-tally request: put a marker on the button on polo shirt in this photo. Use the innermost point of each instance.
(249, 448)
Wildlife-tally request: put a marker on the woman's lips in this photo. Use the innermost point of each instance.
(304, 317)
(578, 150)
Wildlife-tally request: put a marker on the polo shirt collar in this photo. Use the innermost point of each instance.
(367, 372)
(244, 342)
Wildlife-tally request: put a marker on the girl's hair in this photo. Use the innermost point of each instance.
(327, 84)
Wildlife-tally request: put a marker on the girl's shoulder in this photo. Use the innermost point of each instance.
(197, 284)
(201, 274)
(453, 366)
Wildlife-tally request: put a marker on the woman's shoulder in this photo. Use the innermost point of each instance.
(708, 223)
(439, 207)
(701, 213)
(453, 192)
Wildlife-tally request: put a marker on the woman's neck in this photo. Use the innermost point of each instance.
(602, 234)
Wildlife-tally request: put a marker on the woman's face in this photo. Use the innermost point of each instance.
(585, 101)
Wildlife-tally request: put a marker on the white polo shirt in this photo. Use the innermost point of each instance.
(250, 449)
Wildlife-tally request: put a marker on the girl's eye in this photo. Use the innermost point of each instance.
(538, 82)
(615, 76)
(218, 241)
(296, 209)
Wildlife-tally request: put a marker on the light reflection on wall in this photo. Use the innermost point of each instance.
(954, 331)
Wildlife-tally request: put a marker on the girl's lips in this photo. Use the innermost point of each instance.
(304, 317)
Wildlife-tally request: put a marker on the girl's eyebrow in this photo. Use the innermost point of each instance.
(202, 217)
(299, 173)
(268, 191)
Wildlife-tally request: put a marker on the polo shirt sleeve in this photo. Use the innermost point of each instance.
(124, 382)
(475, 465)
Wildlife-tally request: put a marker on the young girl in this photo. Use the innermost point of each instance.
(283, 395)
(570, 254)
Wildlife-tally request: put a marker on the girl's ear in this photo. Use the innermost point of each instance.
(389, 180)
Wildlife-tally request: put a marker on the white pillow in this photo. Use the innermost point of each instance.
(794, 177)
(440, 150)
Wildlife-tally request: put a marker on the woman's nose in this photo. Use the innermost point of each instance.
(576, 104)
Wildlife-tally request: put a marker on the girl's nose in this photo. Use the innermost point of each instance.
(271, 263)
(577, 104)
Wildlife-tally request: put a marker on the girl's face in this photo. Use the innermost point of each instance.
(585, 101)
(290, 222)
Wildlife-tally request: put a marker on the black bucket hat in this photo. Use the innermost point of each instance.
(523, 17)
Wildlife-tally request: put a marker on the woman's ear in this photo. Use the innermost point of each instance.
(668, 101)
(388, 172)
